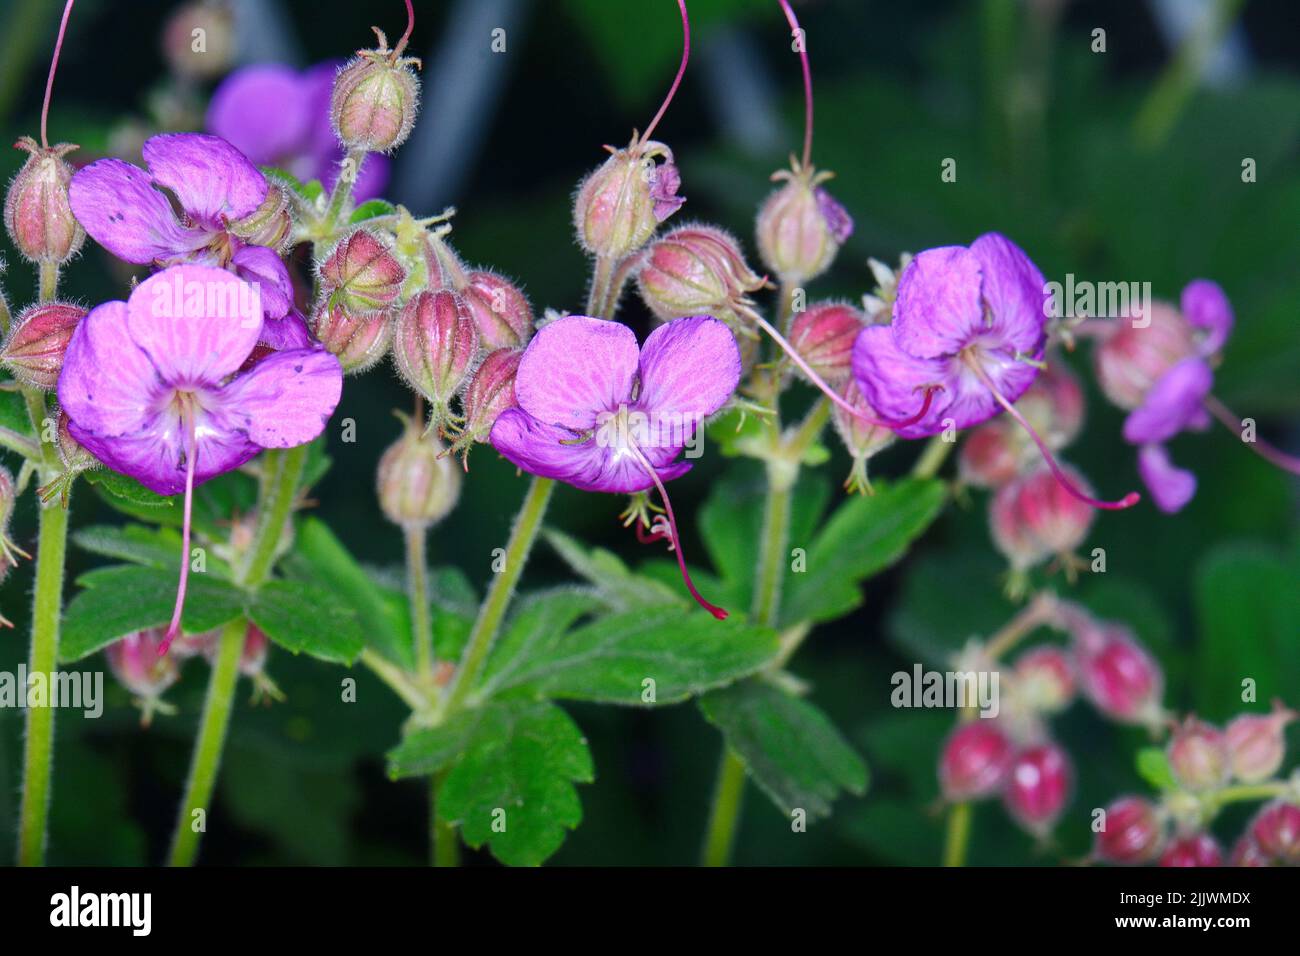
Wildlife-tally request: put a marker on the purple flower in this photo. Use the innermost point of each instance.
(278, 116)
(596, 413)
(838, 220)
(1171, 487)
(664, 181)
(153, 386)
(126, 210)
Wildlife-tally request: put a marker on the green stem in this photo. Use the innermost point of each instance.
(208, 746)
(417, 589)
(771, 558)
(727, 799)
(397, 679)
(1244, 793)
(443, 836)
(527, 523)
(602, 277)
(957, 837)
(282, 470)
(38, 750)
(342, 194)
(932, 458)
(49, 281)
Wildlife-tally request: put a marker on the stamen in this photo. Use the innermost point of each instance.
(673, 535)
(1266, 451)
(1128, 501)
(54, 65)
(681, 70)
(807, 82)
(191, 453)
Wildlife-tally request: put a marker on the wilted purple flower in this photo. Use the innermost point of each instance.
(126, 210)
(969, 322)
(278, 116)
(153, 387)
(597, 414)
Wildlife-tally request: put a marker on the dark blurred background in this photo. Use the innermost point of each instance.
(1115, 166)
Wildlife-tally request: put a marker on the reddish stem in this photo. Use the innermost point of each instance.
(1266, 451)
(54, 65)
(802, 39)
(681, 71)
(405, 37)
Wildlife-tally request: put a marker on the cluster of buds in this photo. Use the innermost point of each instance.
(375, 98)
(37, 213)
(360, 279)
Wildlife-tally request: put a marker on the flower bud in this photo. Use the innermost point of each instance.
(989, 456)
(1129, 360)
(198, 40)
(695, 270)
(185, 646)
(1038, 787)
(252, 659)
(1045, 678)
(374, 100)
(37, 213)
(501, 314)
(862, 439)
(1133, 832)
(359, 339)
(270, 225)
(1198, 755)
(1199, 849)
(39, 337)
(361, 273)
(823, 336)
(1246, 852)
(1276, 830)
(137, 665)
(974, 761)
(491, 390)
(1117, 675)
(801, 227)
(1033, 517)
(418, 482)
(623, 200)
(1257, 743)
(434, 345)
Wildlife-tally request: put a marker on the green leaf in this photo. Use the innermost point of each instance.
(122, 599)
(609, 660)
(792, 750)
(13, 410)
(308, 618)
(538, 624)
(130, 497)
(427, 750)
(151, 547)
(619, 587)
(862, 537)
(1153, 767)
(512, 784)
(371, 209)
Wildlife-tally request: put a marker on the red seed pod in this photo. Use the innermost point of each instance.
(501, 314)
(1198, 755)
(1132, 358)
(1133, 832)
(37, 214)
(801, 227)
(1038, 787)
(695, 270)
(490, 392)
(1276, 829)
(375, 99)
(434, 345)
(1246, 852)
(1045, 678)
(417, 482)
(1257, 743)
(359, 339)
(621, 203)
(361, 273)
(270, 225)
(37, 341)
(1198, 849)
(974, 761)
(862, 439)
(823, 335)
(989, 456)
(1033, 517)
(1116, 674)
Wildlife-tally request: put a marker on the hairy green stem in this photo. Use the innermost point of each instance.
(725, 816)
(445, 841)
(1244, 793)
(932, 458)
(397, 679)
(602, 278)
(282, 470)
(957, 837)
(417, 590)
(771, 557)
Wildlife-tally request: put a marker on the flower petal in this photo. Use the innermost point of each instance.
(289, 332)
(214, 182)
(574, 369)
(107, 385)
(264, 111)
(156, 457)
(284, 400)
(1205, 306)
(938, 310)
(1015, 292)
(1173, 404)
(894, 382)
(196, 324)
(261, 266)
(1171, 487)
(120, 209)
(689, 368)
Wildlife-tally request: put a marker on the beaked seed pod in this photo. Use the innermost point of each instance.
(1132, 833)
(1033, 517)
(490, 392)
(695, 270)
(1257, 743)
(1038, 787)
(433, 347)
(974, 761)
(621, 202)
(37, 213)
(37, 341)
(417, 481)
(375, 99)
(801, 227)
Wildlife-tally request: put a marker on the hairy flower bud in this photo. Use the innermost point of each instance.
(1198, 849)
(695, 270)
(1257, 743)
(1033, 517)
(270, 225)
(361, 273)
(141, 669)
(418, 481)
(974, 761)
(1198, 755)
(862, 439)
(37, 214)
(491, 390)
(1121, 679)
(1276, 830)
(375, 99)
(198, 40)
(501, 314)
(621, 202)
(34, 348)
(1132, 358)
(1038, 787)
(1045, 678)
(823, 335)
(1132, 833)
(988, 457)
(434, 345)
(801, 227)
(358, 339)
